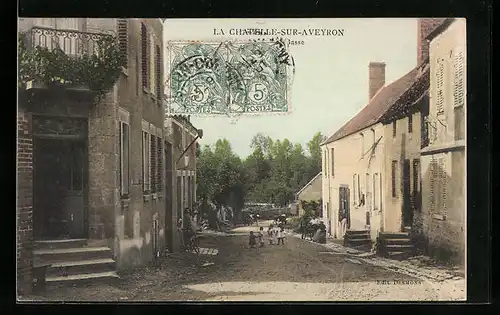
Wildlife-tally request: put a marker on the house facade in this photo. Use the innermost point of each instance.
(405, 131)
(354, 170)
(92, 169)
(310, 192)
(444, 157)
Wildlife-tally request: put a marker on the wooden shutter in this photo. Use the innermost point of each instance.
(144, 55)
(432, 186)
(153, 164)
(393, 177)
(123, 41)
(443, 184)
(440, 87)
(159, 165)
(458, 78)
(159, 92)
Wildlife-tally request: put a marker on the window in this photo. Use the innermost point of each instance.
(152, 64)
(380, 192)
(375, 191)
(410, 123)
(367, 190)
(324, 164)
(393, 177)
(158, 79)
(394, 129)
(159, 164)
(146, 156)
(362, 145)
(440, 87)
(332, 171)
(124, 158)
(354, 189)
(152, 165)
(416, 178)
(443, 183)
(144, 56)
(458, 79)
(359, 188)
(123, 41)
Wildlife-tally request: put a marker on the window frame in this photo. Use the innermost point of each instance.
(124, 166)
(146, 159)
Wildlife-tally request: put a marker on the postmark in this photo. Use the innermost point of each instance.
(229, 78)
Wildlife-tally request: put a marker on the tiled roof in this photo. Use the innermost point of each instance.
(376, 108)
(440, 28)
(184, 119)
(411, 98)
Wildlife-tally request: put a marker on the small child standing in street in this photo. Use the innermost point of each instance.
(252, 240)
(281, 236)
(261, 236)
(270, 234)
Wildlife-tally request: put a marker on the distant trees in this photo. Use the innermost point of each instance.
(272, 173)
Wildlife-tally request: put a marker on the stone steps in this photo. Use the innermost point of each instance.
(358, 239)
(397, 246)
(72, 262)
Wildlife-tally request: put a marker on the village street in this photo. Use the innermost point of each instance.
(297, 271)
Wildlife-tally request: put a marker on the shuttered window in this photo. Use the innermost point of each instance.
(440, 86)
(410, 123)
(159, 165)
(124, 158)
(144, 56)
(416, 178)
(444, 189)
(123, 41)
(332, 171)
(152, 164)
(394, 129)
(152, 64)
(146, 152)
(158, 79)
(432, 185)
(394, 166)
(458, 79)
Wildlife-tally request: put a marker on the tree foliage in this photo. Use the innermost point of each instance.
(274, 171)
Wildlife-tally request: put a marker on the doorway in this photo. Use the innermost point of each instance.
(344, 207)
(407, 210)
(59, 194)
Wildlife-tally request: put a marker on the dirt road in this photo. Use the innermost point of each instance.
(297, 271)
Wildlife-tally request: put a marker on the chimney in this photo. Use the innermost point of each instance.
(424, 28)
(376, 72)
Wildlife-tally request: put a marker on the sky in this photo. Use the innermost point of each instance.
(331, 72)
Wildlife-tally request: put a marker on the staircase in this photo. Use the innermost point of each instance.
(72, 261)
(358, 239)
(396, 246)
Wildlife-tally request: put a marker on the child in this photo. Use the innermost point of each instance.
(270, 234)
(281, 236)
(261, 236)
(275, 236)
(251, 240)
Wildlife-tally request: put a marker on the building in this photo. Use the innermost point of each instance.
(310, 192)
(83, 183)
(405, 132)
(444, 156)
(354, 159)
(183, 137)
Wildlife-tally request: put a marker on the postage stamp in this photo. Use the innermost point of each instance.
(229, 77)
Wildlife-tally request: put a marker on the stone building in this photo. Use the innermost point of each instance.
(444, 156)
(354, 159)
(183, 136)
(91, 171)
(310, 192)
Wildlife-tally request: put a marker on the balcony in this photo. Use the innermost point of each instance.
(49, 56)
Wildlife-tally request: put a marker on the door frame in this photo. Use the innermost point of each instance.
(44, 128)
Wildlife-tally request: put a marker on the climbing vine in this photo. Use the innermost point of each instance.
(99, 70)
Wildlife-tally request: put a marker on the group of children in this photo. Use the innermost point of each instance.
(276, 235)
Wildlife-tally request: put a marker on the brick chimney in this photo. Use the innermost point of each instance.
(424, 28)
(376, 72)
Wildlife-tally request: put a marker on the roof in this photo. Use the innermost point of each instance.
(410, 99)
(440, 28)
(308, 184)
(376, 107)
(185, 120)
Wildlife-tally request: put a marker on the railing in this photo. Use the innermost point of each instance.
(72, 42)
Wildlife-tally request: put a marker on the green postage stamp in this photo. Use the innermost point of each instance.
(229, 77)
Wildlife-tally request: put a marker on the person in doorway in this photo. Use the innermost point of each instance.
(343, 225)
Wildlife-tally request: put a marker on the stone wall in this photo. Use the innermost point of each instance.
(24, 241)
